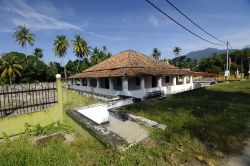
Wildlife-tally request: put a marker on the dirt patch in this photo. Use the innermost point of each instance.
(150, 143)
(41, 140)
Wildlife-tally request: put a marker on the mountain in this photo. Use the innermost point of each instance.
(204, 53)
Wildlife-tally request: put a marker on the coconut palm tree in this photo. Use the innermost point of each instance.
(81, 48)
(104, 49)
(61, 45)
(165, 60)
(38, 53)
(156, 54)
(105, 53)
(23, 36)
(96, 56)
(10, 67)
(177, 51)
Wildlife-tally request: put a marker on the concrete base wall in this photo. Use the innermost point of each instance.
(16, 124)
(141, 93)
(12, 125)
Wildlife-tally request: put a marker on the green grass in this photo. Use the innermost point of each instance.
(202, 125)
(203, 121)
(73, 100)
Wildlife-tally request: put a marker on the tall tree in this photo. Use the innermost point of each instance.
(81, 48)
(10, 67)
(156, 54)
(23, 36)
(177, 51)
(165, 60)
(38, 53)
(104, 49)
(96, 56)
(99, 55)
(61, 45)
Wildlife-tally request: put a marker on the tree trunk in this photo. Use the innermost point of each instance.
(65, 73)
(78, 64)
(25, 51)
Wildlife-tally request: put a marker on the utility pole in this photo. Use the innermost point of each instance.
(227, 73)
(249, 67)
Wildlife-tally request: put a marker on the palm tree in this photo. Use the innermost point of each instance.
(38, 53)
(81, 48)
(23, 36)
(10, 67)
(61, 45)
(156, 54)
(99, 55)
(177, 51)
(104, 49)
(96, 56)
(106, 54)
(165, 60)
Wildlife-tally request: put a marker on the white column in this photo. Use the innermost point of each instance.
(184, 79)
(111, 87)
(98, 85)
(142, 83)
(174, 81)
(190, 79)
(125, 85)
(159, 82)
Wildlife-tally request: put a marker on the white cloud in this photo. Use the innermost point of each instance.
(110, 38)
(36, 20)
(153, 21)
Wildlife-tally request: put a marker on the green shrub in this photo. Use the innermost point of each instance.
(36, 130)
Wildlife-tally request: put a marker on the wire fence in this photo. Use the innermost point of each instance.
(26, 98)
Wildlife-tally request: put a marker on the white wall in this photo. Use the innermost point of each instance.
(180, 88)
(167, 88)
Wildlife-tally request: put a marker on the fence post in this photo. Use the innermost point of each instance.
(59, 96)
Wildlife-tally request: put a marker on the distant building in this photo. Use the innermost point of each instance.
(205, 76)
(132, 74)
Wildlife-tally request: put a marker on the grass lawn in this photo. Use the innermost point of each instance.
(204, 123)
(202, 126)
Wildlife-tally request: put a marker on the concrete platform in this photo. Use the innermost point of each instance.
(100, 132)
(119, 133)
(130, 131)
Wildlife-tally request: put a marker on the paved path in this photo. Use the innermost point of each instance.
(240, 160)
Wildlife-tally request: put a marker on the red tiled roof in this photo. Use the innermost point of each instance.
(205, 74)
(130, 63)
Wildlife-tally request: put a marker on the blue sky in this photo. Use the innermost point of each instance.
(125, 24)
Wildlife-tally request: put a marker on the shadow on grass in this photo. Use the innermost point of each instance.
(222, 119)
(219, 119)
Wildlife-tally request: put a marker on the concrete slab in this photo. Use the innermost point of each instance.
(130, 131)
(240, 160)
(138, 119)
(97, 113)
(104, 134)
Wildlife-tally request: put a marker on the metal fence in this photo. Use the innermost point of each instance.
(26, 98)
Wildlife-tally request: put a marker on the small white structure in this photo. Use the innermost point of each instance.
(132, 74)
(98, 114)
